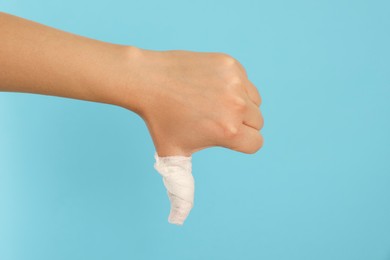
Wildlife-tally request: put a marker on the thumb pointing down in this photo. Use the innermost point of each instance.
(176, 172)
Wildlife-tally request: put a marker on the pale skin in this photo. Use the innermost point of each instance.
(189, 100)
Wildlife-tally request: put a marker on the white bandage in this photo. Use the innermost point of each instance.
(179, 182)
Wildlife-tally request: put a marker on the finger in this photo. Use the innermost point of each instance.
(253, 93)
(248, 140)
(253, 117)
(251, 89)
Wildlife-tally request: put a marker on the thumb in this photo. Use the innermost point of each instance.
(179, 182)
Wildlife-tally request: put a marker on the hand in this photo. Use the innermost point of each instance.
(189, 100)
(194, 100)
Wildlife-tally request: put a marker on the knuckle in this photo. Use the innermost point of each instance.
(239, 103)
(229, 131)
(227, 59)
(235, 80)
(230, 61)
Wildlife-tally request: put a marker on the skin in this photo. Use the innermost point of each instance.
(188, 100)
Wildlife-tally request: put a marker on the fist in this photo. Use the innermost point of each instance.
(192, 100)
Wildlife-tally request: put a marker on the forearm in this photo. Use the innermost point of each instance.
(38, 59)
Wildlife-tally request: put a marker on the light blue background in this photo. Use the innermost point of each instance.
(77, 178)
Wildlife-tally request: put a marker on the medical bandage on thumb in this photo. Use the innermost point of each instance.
(179, 182)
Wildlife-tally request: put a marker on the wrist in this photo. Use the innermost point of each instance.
(117, 87)
(132, 91)
(145, 72)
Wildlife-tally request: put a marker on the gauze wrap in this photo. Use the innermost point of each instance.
(179, 182)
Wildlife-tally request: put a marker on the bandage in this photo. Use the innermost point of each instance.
(176, 172)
